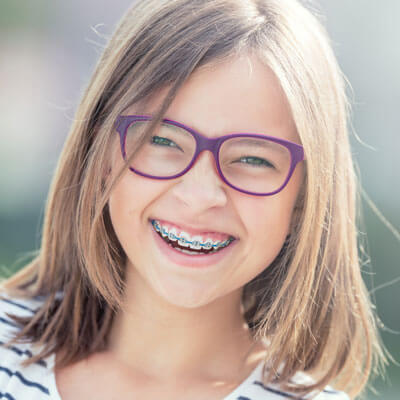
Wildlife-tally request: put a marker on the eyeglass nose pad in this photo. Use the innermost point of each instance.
(207, 144)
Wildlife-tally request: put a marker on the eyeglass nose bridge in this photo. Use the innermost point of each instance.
(204, 143)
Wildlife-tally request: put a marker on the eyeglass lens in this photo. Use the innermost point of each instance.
(255, 165)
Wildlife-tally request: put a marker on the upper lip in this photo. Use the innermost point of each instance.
(194, 229)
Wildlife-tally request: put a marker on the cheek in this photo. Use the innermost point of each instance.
(121, 210)
(128, 203)
(267, 222)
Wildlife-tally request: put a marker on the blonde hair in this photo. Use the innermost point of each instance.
(310, 303)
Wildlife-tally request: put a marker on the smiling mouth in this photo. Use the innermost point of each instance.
(187, 246)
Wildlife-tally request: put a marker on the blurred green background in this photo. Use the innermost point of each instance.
(48, 50)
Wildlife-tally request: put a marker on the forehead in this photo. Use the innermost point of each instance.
(236, 95)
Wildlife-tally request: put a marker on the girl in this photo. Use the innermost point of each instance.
(199, 239)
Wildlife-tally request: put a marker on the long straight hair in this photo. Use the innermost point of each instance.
(310, 304)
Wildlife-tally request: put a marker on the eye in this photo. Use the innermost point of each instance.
(163, 141)
(255, 161)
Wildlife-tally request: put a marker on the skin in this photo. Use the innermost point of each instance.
(183, 325)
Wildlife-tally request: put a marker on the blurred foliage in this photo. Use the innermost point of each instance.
(31, 15)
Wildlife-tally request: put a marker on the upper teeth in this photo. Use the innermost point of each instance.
(186, 240)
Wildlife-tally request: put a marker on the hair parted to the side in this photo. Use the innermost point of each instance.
(310, 304)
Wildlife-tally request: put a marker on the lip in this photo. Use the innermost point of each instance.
(186, 260)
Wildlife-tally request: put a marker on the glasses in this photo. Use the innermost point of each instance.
(254, 164)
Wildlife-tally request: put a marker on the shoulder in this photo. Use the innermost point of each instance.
(14, 306)
(17, 382)
(269, 392)
(331, 394)
(255, 389)
(328, 393)
(272, 392)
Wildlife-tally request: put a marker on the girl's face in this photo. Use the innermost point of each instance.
(240, 95)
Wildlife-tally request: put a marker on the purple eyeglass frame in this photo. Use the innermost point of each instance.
(213, 145)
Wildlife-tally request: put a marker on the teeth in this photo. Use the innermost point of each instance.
(156, 225)
(172, 235)
(185, 240)
(196, 253)
(208, 244)
(196, 242)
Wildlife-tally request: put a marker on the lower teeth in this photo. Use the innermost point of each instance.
(194, 252)
(188, 251)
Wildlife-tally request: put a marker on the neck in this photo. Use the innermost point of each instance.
(163, 340)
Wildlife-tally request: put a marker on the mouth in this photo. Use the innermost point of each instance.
(194, 245)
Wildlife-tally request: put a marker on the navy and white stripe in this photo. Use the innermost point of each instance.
(252, 388)
(37, 382)
(16, 382)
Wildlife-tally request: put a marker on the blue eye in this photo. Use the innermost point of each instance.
(162, 141)
(255, 161)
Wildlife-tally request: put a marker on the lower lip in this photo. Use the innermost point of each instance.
(186, 260)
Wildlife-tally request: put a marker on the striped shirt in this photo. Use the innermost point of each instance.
(37, 381)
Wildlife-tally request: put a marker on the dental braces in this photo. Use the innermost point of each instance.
(196, 243)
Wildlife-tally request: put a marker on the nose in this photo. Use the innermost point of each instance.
(201, 188)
